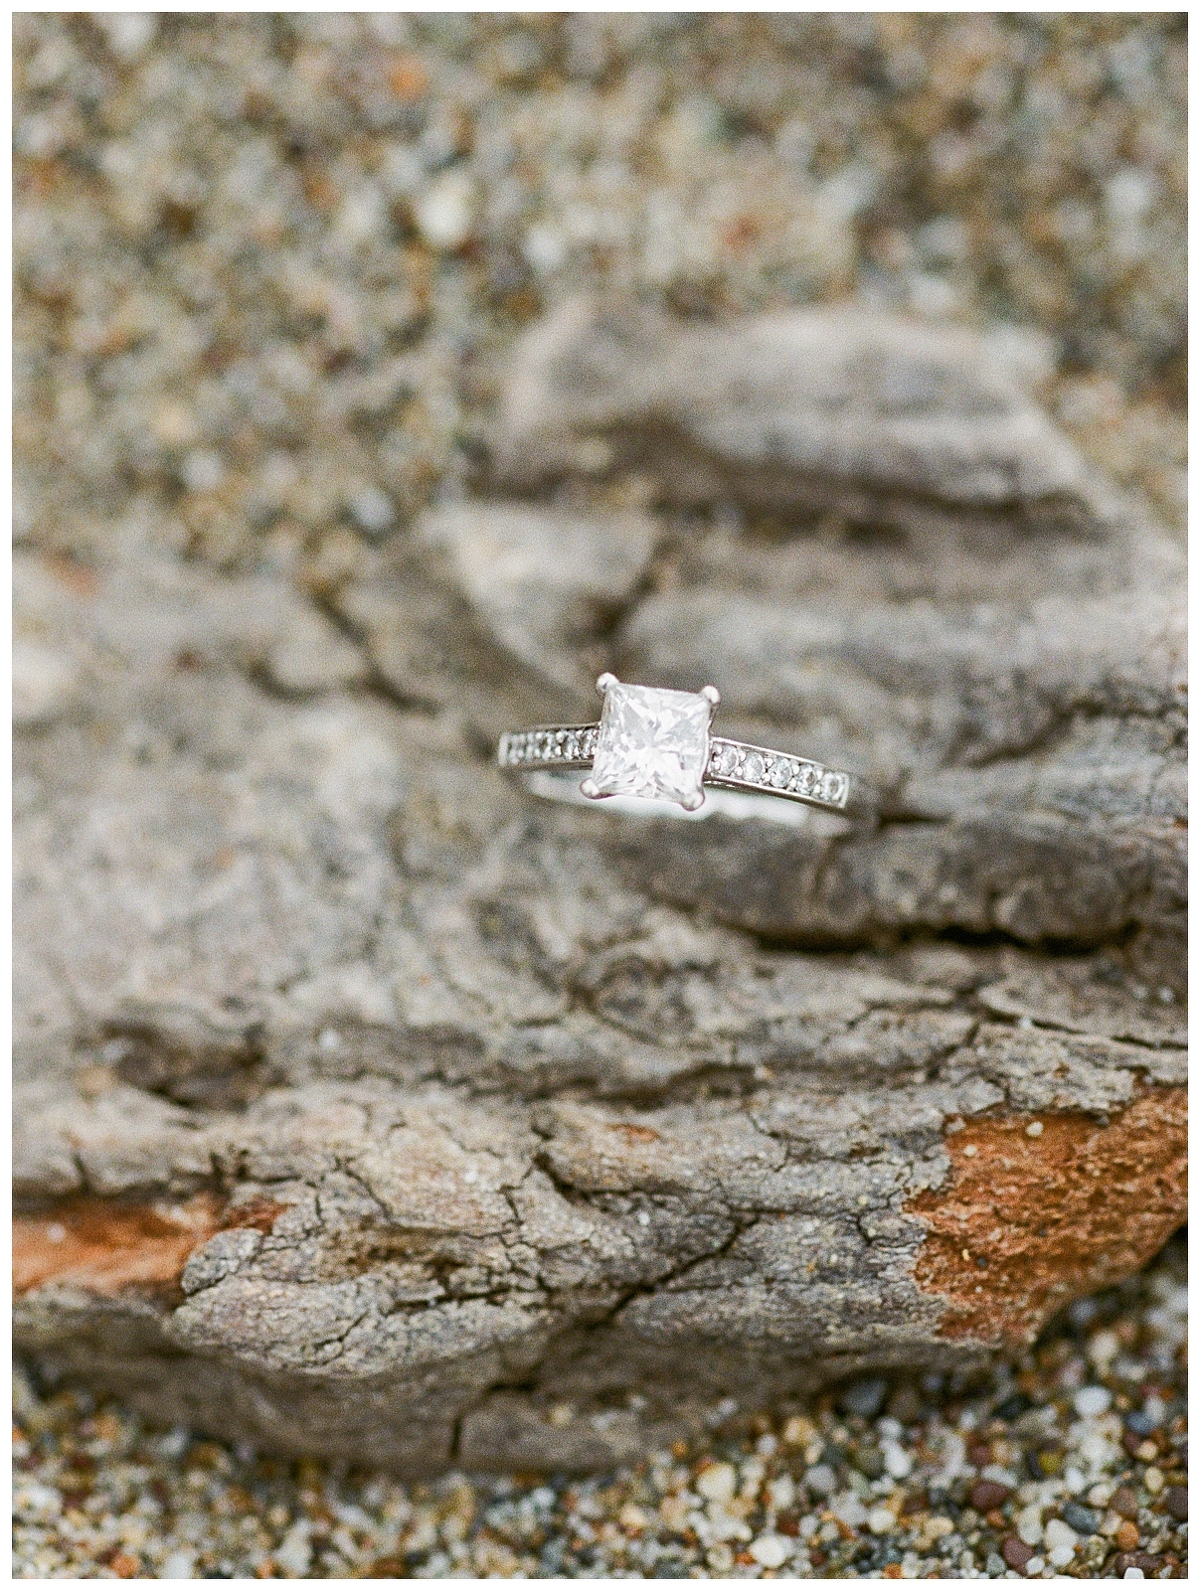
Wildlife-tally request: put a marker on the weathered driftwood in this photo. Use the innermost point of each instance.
(368, 1107)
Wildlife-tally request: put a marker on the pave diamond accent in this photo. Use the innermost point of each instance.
(545, 745)
(652, 743)
(805, 779)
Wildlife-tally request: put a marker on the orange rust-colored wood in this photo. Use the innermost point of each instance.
(1028, 1221)
(105, 1245)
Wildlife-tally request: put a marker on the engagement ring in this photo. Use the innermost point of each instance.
(657, 745)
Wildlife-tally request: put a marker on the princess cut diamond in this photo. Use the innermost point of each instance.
(652, 743)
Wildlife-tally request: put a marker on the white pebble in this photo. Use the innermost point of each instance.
(294, 1553)
(1060, 1557)
(1059, 1535)
(372, 510)
(718, 1483)
(770, 1551)
(1133, 1574)
(849, 1509)
(203, 470)
(128, 33)
(1034, 1566)
(445, 213)
(1029, 1525)
(178, 1565)
(1103, 1348)
(881, 1521)
(545, 249)
(820, 1480)
(896, 1461)
(1092, 1401)
(44, 685)
(781, 1491)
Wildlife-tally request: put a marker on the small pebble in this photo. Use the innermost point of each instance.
(1091, 1401)
(1083, 1521)
(986, 1495)
(1015, 1553)
(864, 1397)
(1058, 1536)
(446, 212)
(1127, 1535)
(718, 1483)
(770, 1551)
(1176, 1501)
(1124, 1501)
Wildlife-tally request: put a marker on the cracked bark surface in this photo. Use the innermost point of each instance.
(368, 1107)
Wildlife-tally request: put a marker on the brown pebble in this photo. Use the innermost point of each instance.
(1015, 1553)
(980, 1453)
(1127, 1535)
(986, 1495)
(1124, 1502)
(1176, 1501)
(124, 1565)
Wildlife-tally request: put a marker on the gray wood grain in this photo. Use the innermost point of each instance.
(570, 1126)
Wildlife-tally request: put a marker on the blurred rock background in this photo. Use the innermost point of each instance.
(265, 265)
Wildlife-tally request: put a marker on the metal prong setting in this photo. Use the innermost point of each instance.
(711, 695)
(693, 803)
(605, 682)
(591, 789)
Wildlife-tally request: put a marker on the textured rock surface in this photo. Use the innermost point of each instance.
(838, 408)
(366, 1106)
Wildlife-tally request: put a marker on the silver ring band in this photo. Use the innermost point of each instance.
(644, 731)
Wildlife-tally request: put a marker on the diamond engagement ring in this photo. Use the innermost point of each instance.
(657, 745)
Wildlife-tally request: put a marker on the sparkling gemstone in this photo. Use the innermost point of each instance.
(725, 761)
(780, 772)
(588, 743)
(753, 768)
(833, 787)
(805, 779)
(570, 746)
(652, 743)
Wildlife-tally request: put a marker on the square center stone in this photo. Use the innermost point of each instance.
(652, 743)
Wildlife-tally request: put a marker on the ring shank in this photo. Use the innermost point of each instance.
(732, 766)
